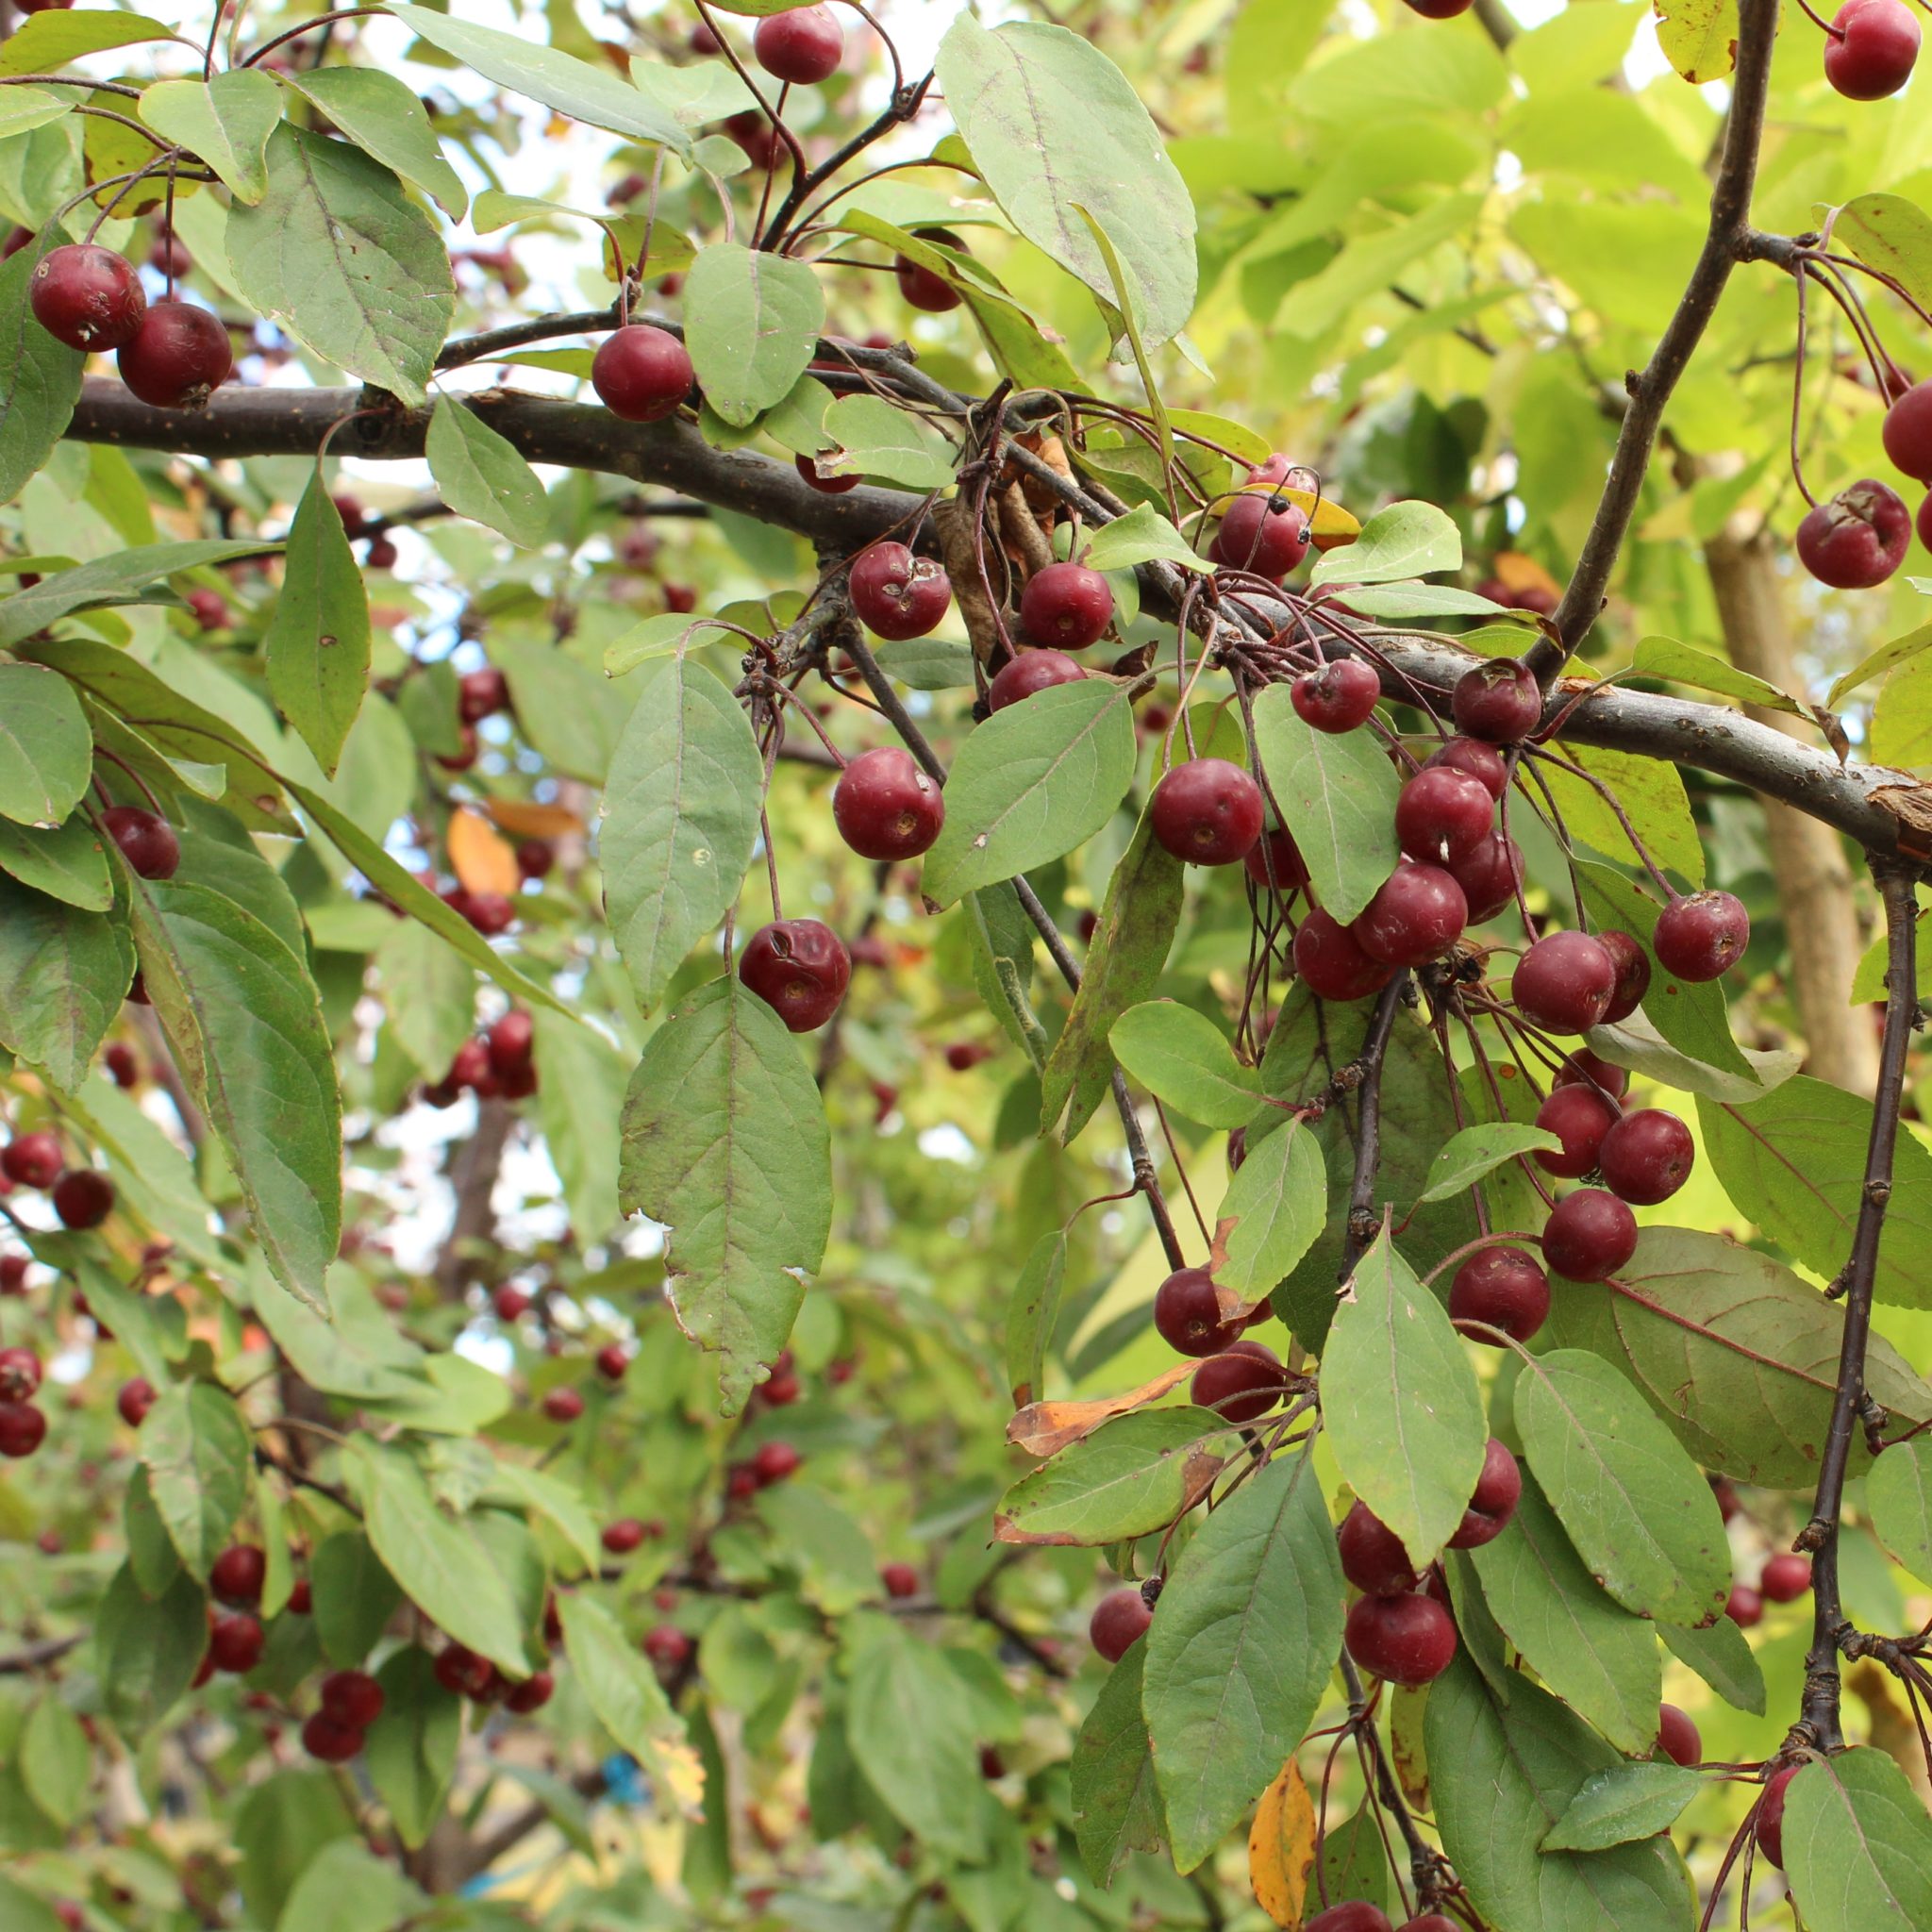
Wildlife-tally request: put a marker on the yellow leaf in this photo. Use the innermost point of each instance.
(1281, 1847)
(1329, 523)
(1044, 1429)
(1522, 572)
(480, 857)
(524, 817)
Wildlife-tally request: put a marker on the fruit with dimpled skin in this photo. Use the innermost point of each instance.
(1338, 697)
(1029, 673)
(1770, 1815)
(1702, 935)
(1263, 535)
(32, 1160)
(1565, 982)
(83, 1197)
(353, 1698)
(1404, 1640)
(1417, 915)
(1907, 432)
(1119, 1622)
(1066, 604)
(1474, 759)
(1646, 1157)
(1588, 1236)
(178, 356)
(1786, 1578)
(237, 1576)
(1207, 811)
(88, 297)
(1498, 702)
(1187, 1315)
(1489, 877)
(1240, 1384)
(1443, 816)
(146, 840)
(1856, 539)
(896, 594)
(1330, 962)
(885, 807)
(802, 47)
(1492, 1502)
(1579, 1117)
(641, 374)
(1872, 49)
(799, 968)
(1502, 1288)
(1372, 1555)
(1677, 1737)
(533, 1693)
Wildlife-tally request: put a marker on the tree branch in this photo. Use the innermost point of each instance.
(1362, 1219)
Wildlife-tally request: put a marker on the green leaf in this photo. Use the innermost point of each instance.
(910, 1724)
(1136, 925)
(1030, 784)
(1033, 1316)
(725, 1142)
(1408, 1432)
(1794, 1162)
(538, 1493)
(1337, 796)
(46, 751)
(40, 377)
(245, 1021)
(927, 663)
(1002, 938)
(1636, 1044)
(481, 476)
(752, 323)
(1892, 235)
(1651, 791)
(1272, 1211)
(572, 87)
(437, 1560)
(1116, 1801)
(146, 1653)
(123, 576)
(1591, 1651)
(1354, 1862)
(56, 1761)
(1132, 1478)
(1722, 1656)
(579, 1106)
(1142, 536)
(1898, 1494)
(1182, 1057)
(1658, 657)
(1699, 38)
(224, 120)
(412, 1748)
(1638, 1510)
(63, 975)
(871, 438)
(1858, 1845)
(280, 1825)
(1479, 1150)
(337, 253)
(1023, 91)
(383, 116)
(353, 1596)
(318, 640)
(346, 1888)
(1240, 1651)
(69, 863)
(1399, 601)
(1406, 539)
(623, 1690)
(1517, 1769)
(680, 819)
(47, 41)
(22, 1910)
(197, 1452)
(1624, 1804)
(823, 1543)
(430, 993)
(1895, 652)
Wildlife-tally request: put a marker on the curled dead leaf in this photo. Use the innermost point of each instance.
(1044, 1429)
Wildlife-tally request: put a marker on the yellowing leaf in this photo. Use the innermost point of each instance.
(524, 817)
(480, 857)
(1329, 523)
(1281, 1847)
(1043, 1428)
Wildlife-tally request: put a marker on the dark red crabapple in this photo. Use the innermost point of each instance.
(1907, 432)
(1579, 1117)
(237, 1576)
(1416, 915)
(1676, 1735)
(799, 968)
(133, 1401)
(469, 746)
(896, 594)
(177, 357)
(1338, 697)
(329, 1742)
(146, 840)
(489, 912)
(1588, 1236)
(1240, 1384)
(1633, 975)
(1492, 1502)
(1207, 811)
(613, 1362)
(1872, 49)
(1187, 1315)
(533, 1693)
(1029, 673)
(1565, 982)
(1119, 1622)
(774, 1462)
(901, 1580)
(621, 1536)
(481, 694)
(23, 1428)
(1498, 702)
(19, 1374)
(563, 1404)
(924, 287)
(826, 486)
(801, 47)
(885, 807)
(1701, 937)
(641, 374)
(460, 1669)
(209, 610)
(1403, 1639)
(1330, 962)
(1786, 1578)
(1584, 1068)
(511, 1042)
(1646, 1157)
(1744, 1607)
(352, 1698)
(1354, 1915)
(1474, 759)
(235, 1642)
(1278, 467)
(32, 1160)
(381, 554)
(1443, 815)
(1267, 536)
(511, 1301)
(1372, 1555)
(1489, 877)
(13, 1274)
(1277, 852)
(1858, 538)
(1502, 1288)
(1770, 1826)
(170, 257)
(1438, 9)
(83, 1197)
(1066, 604)
(301, 1598)
(88, 297)
(536, 858)
(1924, 522)
(1432, 1922)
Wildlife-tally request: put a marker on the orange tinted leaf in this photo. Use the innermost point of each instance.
(1044, 1429)
(480, 857)
(524, 817)
(1281, 1847)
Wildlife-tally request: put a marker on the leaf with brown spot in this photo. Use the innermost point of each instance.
(1044, 1429)
(1281, 1847)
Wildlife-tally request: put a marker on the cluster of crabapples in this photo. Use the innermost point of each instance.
(1859, 537)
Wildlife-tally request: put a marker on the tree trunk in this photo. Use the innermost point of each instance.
(1807, 860)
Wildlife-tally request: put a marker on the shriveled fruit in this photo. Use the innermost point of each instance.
(896, 594)
(641, 374)
(885, 806)
(533, 1693)
(1588, 1236)
(1702, 935)
(1336, 698)
(1066, 604)
(1565, 982)
(1859, 538)
(1029, 673)
(1579, 1117)
(177, 357)
(1503, 1288)
(1119, 1622)
(1646, 1157)
(1207, 811)
(1240, 1384)
(799, 968)
(1330, 962)
(89, 297)
(1404, 1640)
(1417, 915)
(1372, 1555)
(1492, 1502)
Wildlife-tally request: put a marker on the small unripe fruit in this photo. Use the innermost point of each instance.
(88, 297)
(801, 47)
(1565, 982)
(1498, 702)
(1588, 1236)
(1858, 538)
(641, 374)
(1119, 1622)
(177, 357)
(1241, 1384)
(1207, 811)
(353, 1698)
(1067, 606)
(1416, 915)
(799, 968)
(83, 1197)
(1330, 962)
(237, 1576)
(1786, 1578)
(1336, 698)
(1443, 816)
(1404, 1640)
(1029, 673)
(1187, 1315)
(885, 806)
(1372, 1555)
(1492, 1502)
(1646, 1157)
(1677, 1738)
(1873, 48)
(1701, 937)
(1579, 1117)
(1502, 1288)
(146, 840)
(897, 594)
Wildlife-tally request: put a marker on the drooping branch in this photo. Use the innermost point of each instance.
(1821, 1708)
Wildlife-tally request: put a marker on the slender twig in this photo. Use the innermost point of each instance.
(1362, 1221)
